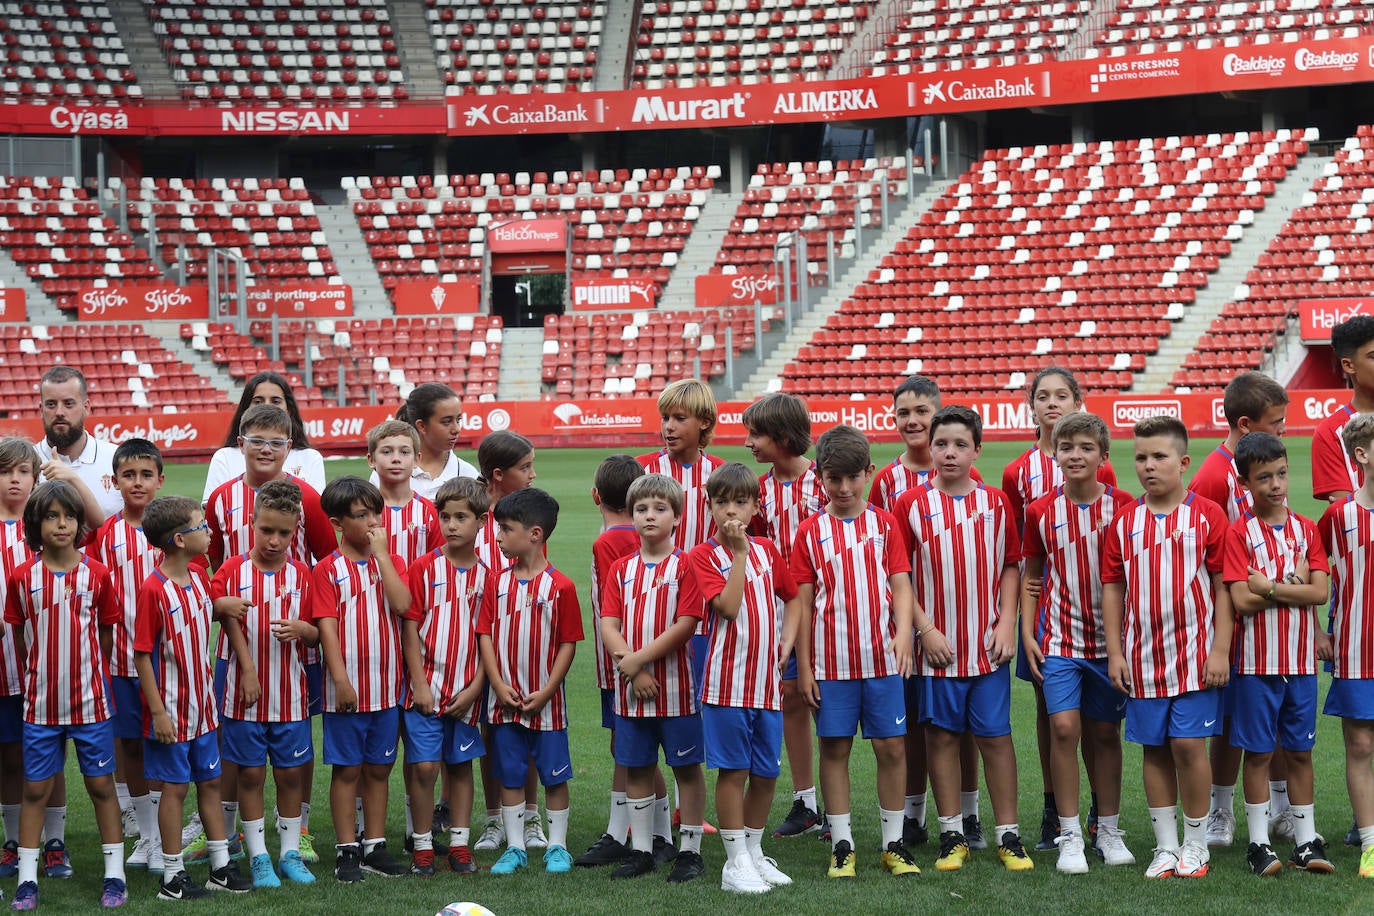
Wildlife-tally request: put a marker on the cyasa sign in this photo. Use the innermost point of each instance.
(310, 300)
(1318, 316)
(141, 302)
(714, 290)
(622, 293)
(432, 297)
(527, 235)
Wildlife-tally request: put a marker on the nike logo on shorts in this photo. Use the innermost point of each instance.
(686, 750)
(390, 753)
(300, 752)
(902, 720)
(104, 763)
(563, 769)
(1209, 723)
(464, 747)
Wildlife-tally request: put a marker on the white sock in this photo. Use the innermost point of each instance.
(753, 839)
(558, 827)
(1069, 825)
(371, 844)
(1366, 841)
(1002, 830)
(1304, 824)
(231, 819)
(642, 812)
(1195, 830)
(358, 815)
(172, 866)
(122, 793)
(219, 852)
(1223, 798)
(143, 813)
(28, 865)
(1257, 822)
(155, 831)
(113, 853)
(689, 838)
(410, 819)
(806, 795)
(1278, 797)
(1165, 823)
(289, 834)
(305, 817)
(618, 824)
(839, 829)
(892, 825)
(10, 815)
(55, 823)
(423, 841)
(1108, 820)
(968, 803)
(513, 818)
(255, 837)
(915, 808)
(458, 836)
(663, 819)
(952, 824)
(736, 846)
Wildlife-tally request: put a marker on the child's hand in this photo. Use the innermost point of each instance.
(162, 728)
(536, 701)
(58, 470)
(345, 697)
(938, 652)
(285, 630)
(376, 538)
(1119, 673)
(232, 607)
(1303, 572)
(423, 698)
(734, 536)
(806, 684)
(1326, 646)
(506, 696)
(1034, 659)
(1258, 583)
(901, 649)
(644, 686)
(1033, 587)
(628, 665)
(463, 702)
(1001, 645)
(249, 688)
(1217, 670)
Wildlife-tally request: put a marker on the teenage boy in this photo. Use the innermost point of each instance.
(1335, 474)
(1167, 618)
(412, 526)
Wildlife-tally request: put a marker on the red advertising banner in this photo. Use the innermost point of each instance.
(426, 297)
(175, 119)
(1317, 317)
(143, 302)
(13, 306)
(587, 293)
(527, 235)
(715, 290)
(297, 300)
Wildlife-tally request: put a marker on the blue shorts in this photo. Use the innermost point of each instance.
(743, 739)
(1196, 714)
(1082, 684)
(249, 744)
(183, 762)
(701, 647)
(911, 697)
(637, 740)
(981, 704)
(878, 702)
(789, 672)
(221, 678)
(1272, 708)
(1228, 698)
(432, 738)
(1350, 698)
(314, 687)
(608, 709)
(513, 746)
(127, 697)
(1023, 672)
(354, 738)
(45, 749)
(12, 719)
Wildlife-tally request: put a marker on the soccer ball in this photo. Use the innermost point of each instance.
(465, 908)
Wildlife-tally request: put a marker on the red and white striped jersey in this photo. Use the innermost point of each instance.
(282, 594)
(784, 504)
(1279, 640)
(1347, 532)
(1166, 563)
(488, 551)
(229, 512)
(59, 616)
(849, 562)
(1218, 480)
(896, 478)
(696, 524)
(13, 552)
(121, 548)
(528, 620)
(1068, 537)
(1033, 474)
(647, 598)
(615, 542)
(742, 656)
(412, 530)
(444, 601)
(1333, 470)
(369, 631)
(173, 627)
(959, 547)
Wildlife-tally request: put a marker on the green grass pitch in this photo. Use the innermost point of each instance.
(982, 887)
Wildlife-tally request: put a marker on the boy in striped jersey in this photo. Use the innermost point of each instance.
(1347, 532)
(412, 525)
(649, 610)
(1277, 572)
(263, 600)
(854, 645)
(528, 629)
(753, 619)
(171, 642)
(445, 687)
(1063, 639)
(358, 595)
(1167, 618)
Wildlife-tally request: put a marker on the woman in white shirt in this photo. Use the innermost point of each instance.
(302, 461)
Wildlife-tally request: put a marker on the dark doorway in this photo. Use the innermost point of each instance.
(522, 300)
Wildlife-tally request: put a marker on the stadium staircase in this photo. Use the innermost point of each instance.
(414, 44)
(857, 51)
(40, 308)
(354, 261)
(144, 50)
(521, 355)
(700, 254)
(1220, 289)
(1082, 40)
(615, 45)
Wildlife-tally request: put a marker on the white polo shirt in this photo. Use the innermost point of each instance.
(95, 467)
(426, 484)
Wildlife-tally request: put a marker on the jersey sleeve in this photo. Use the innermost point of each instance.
(148, 617)
(1326, 528)
(1113, 566)
(901, 514)
(689, 597)
(1236, 559)
(1032, 542)
(1011, 486)
(219, 582)
(709, 579)
(435, 540)
(307, 613)
(896, 558)
(784, 586)
(324, 592)
(215, 552)
(568, 614)
(486, 611)
(1216, 537)
(1329, 474)
(104, 601)
(418, 584)
(612, 594)
(95, 546)
(319, 533)
(877, 491)
(803, 565)
(1316, 553)
(14, 604)
(1013, 528)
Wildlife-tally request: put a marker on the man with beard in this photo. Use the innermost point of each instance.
(68, 450)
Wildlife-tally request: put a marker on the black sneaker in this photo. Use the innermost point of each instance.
(914, 833)
(230, 879)
(799, 820)
(1092, 830)
(1352, 836)
(824, 834)
(180, 887)
(687, 867)
(1312, 857)
(1262, 860)
(1049, 829)
(348, 864)
(637, 863)
(973, 832)
(664, 851)
(443, 820)
(380, 862)
(605, 851)
(439, 846)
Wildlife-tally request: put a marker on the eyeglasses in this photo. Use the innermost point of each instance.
(275, 445)
(203, 526)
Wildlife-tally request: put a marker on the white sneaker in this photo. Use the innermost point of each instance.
(1221, 828)
(534, 831)
(130, 821)
(1112, 846)
(139, 857)
(1072, 861)
(768, 870)
(155, 863)
(493, 836)
(192, 830)
(1192, 861)
(1281, 827)
(740, 876)
(1163, 865)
